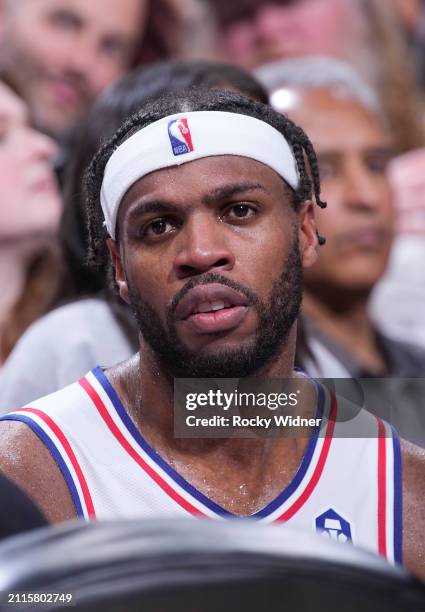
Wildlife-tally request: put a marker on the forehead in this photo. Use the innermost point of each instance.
(334, 120)
(190, 182)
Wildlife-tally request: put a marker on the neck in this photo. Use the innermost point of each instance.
(13, 265)
(147, 390)
(241, 475)
(344, 318)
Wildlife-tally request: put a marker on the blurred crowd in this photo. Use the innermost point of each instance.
(350, 72)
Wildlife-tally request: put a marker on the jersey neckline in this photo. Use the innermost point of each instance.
(288, 492)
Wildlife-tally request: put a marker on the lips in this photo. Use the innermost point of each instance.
(208, 298)
(65, 91)
(371, 237)
(212, 308)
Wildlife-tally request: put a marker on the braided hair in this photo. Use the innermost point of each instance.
(188, 101)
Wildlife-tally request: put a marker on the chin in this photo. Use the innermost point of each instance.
(221, 344)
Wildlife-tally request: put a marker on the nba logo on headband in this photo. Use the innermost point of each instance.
(180, 136)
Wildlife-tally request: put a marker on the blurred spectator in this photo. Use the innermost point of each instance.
(342, 117)
(30, 208)
(366, 33)
(178, 29)
(398, 300)
(61, 54)
(74, 338)
(369, 34)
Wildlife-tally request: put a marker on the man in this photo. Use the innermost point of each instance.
(60, 54)
(254, 32)
(209, 221)
(346, 125)
(353, 142)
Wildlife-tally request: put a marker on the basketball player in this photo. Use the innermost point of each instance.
(206, 204)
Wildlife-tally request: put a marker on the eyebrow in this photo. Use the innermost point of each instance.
(162, 207)
(228, 191)
(379, 150)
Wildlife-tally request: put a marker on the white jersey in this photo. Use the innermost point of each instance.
(347, 488)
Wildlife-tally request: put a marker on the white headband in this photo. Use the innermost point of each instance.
(185, 137)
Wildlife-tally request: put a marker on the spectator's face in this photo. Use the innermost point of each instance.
(29, 199)
(353, 151)
(300, 27)
(60, 54)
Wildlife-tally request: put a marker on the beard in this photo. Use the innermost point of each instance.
(276, 318)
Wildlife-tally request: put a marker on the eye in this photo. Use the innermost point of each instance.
(237, 212)
(64, 20)
(327, 170)
(159, 227)
(377, 163)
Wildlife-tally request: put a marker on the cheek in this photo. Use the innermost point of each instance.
(149, 276)
(104, 73)
(388, 209)
(262, 256)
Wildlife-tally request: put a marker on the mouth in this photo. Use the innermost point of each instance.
(214, 308)
(371, 238)
(65, 91)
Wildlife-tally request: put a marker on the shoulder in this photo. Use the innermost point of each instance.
(60, 348)
(26, 461)
(407, 359)
(80, 312)
(413, 465)
(67, 323)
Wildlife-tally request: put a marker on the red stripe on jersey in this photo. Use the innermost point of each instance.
(382, 489)
(103, 411)
(71, 456)
(293, 509)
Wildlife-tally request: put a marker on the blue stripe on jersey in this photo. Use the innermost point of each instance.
(135, 433)
(182, 482)
(398, 500)
(296, 481)
(54, 451)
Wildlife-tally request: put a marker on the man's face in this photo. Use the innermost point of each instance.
(281, 29)
(60, 54)
(353, 150)
(211, 262)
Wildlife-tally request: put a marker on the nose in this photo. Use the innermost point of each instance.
(204, 247)
(361, 186)
(40, 146)
(83, 55)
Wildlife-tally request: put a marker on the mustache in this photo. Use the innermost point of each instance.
(207, 279)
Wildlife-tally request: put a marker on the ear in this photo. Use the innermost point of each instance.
(309, 242)
(120, 277)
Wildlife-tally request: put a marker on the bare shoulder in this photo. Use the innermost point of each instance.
(26, 460)
(413, 460)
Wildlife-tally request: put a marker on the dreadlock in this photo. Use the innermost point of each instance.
(197, 100)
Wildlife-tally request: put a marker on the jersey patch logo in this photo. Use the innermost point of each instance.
(180, 136)
(331, 525)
